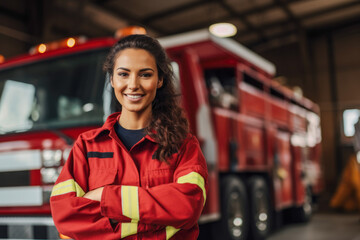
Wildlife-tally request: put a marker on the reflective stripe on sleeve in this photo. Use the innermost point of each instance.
(194, 178)
(170, 231)
(128, 229)
(67, 186)
(130, 202)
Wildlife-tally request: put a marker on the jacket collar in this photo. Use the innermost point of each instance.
(109, 125)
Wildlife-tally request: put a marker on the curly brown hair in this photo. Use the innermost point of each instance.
(168, 125)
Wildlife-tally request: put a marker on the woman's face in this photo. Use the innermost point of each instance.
(135, 80)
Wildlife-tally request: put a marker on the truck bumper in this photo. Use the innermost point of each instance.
(27, 228)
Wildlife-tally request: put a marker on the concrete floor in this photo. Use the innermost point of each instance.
(323, 226)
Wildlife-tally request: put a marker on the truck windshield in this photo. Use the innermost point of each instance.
(55, 93)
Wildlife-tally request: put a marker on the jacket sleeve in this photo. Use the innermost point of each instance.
(78, 217)
(177, 205)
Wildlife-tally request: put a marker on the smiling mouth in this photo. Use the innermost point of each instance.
(134, 96)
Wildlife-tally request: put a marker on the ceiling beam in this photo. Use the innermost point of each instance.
(330, 10)
(264, 27)
(191, 5)
(285, 7)
(243, 19)
(16, 34)
(102, 1)
(263, 8)
(175, 10)
(305, 17)
(12, 14)
(131, 20)
(259, 46)
(278, 40)
(276, 37)
(303, 44)
(60, 16)
(35, 18)
(242, 15)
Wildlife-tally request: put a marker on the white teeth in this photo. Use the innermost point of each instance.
(134, 96)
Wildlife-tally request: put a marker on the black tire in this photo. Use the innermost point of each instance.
(304, 213)
(260, 208)
(234, 223)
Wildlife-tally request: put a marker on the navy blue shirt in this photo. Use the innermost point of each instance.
(128, 137)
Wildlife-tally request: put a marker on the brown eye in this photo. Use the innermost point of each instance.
(146, 75)
(123, 74)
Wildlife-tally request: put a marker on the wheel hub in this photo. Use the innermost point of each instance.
(235, 216)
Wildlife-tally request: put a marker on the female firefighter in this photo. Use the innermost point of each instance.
(142, 174)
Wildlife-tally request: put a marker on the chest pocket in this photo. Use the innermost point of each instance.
(159, 176)
(101, 177)
(102, 169)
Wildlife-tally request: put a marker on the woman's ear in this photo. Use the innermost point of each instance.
(160, 83)
(111, 82)
(109, 78)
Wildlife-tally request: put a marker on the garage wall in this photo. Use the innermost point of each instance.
(334, 83)
(10, 43)
(347, 74)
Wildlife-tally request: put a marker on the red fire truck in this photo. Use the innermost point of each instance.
(261, 140)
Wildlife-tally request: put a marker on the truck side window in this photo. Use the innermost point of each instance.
(222, 87)
(256, 83)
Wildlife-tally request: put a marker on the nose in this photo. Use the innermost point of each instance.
(133, 82)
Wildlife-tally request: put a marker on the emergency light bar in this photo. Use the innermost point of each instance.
(72, 41)
(123, 32)
(64, 43)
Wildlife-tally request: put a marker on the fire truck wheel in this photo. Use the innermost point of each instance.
(304, 212)
(234, 223)
(260, 208)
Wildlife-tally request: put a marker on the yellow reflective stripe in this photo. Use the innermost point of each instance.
(130, 202)
(170, 231)
(67, 187)
(128, 229)
(194, 178)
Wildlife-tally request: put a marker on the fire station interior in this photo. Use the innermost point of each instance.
(313, 44)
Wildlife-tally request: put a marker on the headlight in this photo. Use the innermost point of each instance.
(46, 194)
(66, 153)
(49, 175)
(51, 158)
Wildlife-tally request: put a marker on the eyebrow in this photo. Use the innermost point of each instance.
(141, 70)
(121, 68)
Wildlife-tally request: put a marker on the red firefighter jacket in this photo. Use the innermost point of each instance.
(149, 199)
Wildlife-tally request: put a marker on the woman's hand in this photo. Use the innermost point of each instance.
(94, 194)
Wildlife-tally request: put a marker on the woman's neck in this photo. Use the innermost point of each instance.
(134, 120)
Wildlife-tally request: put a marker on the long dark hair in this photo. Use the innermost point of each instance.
(168, 125)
